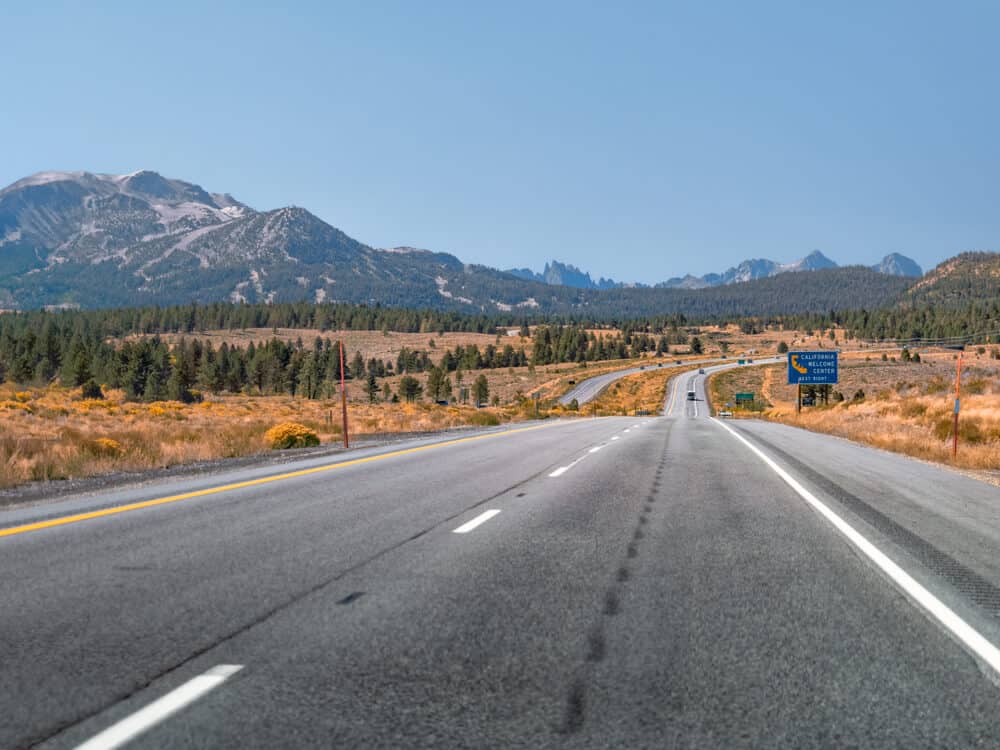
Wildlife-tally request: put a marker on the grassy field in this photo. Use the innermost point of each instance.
(511, 383)
(378, 344)
(904, 407)
(643, 391)
(717, 340)
(52, 433)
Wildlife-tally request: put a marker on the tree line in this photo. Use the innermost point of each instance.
(79, 354)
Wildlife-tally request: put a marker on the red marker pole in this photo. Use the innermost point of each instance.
(958, 393)
(343, 393)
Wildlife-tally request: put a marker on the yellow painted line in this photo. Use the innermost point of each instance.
(64, 520)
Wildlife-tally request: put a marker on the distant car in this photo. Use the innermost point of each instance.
(441, 402)
(571, 382)
(692, 396)
(749, 361)
(701, 370)
(660, 364)
(808, 400)
(725, 414)
(642, 367)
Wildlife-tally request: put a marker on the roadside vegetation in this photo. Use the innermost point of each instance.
(89, 392)
(643, 392)
(54, 433)
(896, 404)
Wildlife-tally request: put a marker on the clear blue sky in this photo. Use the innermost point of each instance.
(639, 143)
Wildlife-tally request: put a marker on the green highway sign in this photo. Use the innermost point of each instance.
(744, 397)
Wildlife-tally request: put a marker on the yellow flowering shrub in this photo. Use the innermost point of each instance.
(17, 405)
(105, 446)
(291, 435)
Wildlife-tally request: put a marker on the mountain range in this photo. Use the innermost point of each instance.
(97, 240)
(562, 274)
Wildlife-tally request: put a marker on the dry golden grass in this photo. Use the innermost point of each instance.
(723, 387)
(907, 407)
(49, 434)
(739, 344)
(511, 383)
(376, 344)
(388, 344)
(643, 391)
(918, 426)
(549, 381)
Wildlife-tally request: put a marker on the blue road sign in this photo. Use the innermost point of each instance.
(812, 368)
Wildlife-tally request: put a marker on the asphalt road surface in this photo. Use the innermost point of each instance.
(672, 581)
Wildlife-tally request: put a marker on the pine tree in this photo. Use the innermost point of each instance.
(76, 364)
(409, 388)
(177, 389)
(435, 384)
(308, 378)
(481, 391)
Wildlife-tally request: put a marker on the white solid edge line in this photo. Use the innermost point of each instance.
(595, 449)
(958, 627)
(145, 718)
(615, 438)
(465, 528)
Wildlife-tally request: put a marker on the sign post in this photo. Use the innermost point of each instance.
(343, 393)
(958, 401)
(812, 368)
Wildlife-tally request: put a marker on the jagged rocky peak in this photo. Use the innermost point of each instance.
(898, 265)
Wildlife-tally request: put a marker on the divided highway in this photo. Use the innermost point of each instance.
(617, 582)
(589, 389)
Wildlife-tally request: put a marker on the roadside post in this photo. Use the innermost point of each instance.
(958, 402)
(812, 368)
(958, 397)
(343, 393)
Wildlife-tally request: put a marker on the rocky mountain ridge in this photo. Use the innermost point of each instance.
(562, 274)
(80, 239)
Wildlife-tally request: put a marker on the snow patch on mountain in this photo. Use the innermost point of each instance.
(441, 282)
(404, 250)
